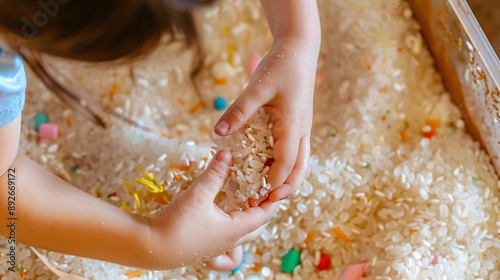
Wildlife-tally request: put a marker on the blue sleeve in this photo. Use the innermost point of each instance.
(12, 86)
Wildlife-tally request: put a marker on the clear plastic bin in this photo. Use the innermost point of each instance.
(467, 62)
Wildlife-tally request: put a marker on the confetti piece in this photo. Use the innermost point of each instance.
(367, 63)
(434, 124)
(181, 101)
(167, 136)
(112, 92)
(68, 121)
(149, 174)
(180, 167)
(138, 201)
(150, 185)
(334, 135)
(340, 234)
(310, 237)
(161, 198)
(135, 273)
(124, 206)
(230, 54)
(220, 82)
(96, 193)
(385, 88)
(195, 108)
(474, 178)
(367, 166)
(402, 134)
(128, 187)
(256, 267)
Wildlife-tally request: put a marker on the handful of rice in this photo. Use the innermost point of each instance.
(252, 150)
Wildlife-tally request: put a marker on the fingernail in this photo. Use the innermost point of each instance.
(222, 127)
(223, 157)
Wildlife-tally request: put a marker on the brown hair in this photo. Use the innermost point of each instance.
(97, 30)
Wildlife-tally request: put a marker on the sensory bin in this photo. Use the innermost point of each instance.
(396, 189)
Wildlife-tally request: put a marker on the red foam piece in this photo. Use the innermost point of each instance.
(324, 262)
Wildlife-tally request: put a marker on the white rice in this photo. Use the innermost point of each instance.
(252, 156)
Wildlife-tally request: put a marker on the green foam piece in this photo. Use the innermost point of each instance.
(40, 119)
(290, 261)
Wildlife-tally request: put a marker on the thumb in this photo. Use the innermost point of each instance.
(242, 109)
(208, 185)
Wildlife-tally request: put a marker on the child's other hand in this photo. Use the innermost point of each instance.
(193, 229)
(283, 84)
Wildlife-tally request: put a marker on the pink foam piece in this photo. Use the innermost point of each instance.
(435, 260)
(255, 59)
(48, 131)
(354, 272)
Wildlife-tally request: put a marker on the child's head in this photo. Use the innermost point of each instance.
(95, 30)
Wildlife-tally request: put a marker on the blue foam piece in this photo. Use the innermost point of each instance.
(241, 264)
(220, 103)
(40, 119)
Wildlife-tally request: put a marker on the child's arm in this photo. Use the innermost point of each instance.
(284, 84)
(54, 215)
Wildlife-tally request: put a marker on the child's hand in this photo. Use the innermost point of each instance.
(283, 84)
(193, 229)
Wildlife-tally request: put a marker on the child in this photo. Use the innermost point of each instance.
(191, 229)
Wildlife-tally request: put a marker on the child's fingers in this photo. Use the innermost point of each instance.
(251, 236)
(208, 185)
(242, 109)
(245, 222)
(286, 149)
(297, 176)
(281, 170)
(226, 262)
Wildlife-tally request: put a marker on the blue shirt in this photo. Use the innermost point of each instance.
(12, 85)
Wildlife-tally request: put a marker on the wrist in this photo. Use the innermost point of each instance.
(142, 241)
(303, 45)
